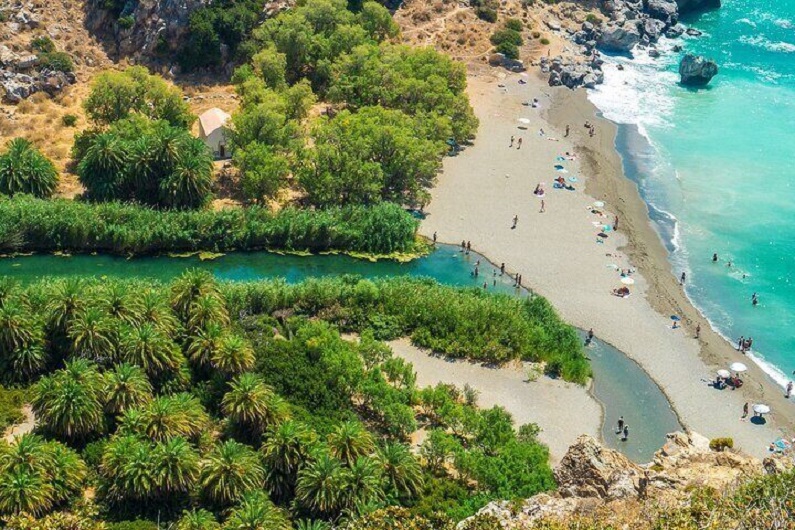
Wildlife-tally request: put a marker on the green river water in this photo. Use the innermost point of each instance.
(620, 384)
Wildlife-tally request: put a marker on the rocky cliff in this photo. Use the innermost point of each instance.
(593, 479)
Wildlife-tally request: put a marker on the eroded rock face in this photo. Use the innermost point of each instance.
(591, 470)
(664, 10)
(619, 38)
(696, 70)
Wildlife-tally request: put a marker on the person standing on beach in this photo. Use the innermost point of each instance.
(519, 143)
(682, 279)
(515, 220)
(511, 141)
(542, 210)
(502, 269)
(740, 343)
(615, 223)
(749, 343)
(567, 132)
(745, 411)
(620, 424)
(789, 390)
(626, 433)
(469, 247)
(463, 246)
(698, 330)
(434, 239)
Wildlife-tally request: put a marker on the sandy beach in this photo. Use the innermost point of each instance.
(541, 401)
(560, 256)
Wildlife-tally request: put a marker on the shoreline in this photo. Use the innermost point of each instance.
(555, 251)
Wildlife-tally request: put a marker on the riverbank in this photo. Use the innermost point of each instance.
(558, 255)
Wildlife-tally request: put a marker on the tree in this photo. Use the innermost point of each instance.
(166, 417)
(234, 355)
(152, 350)
(176, 467)
(263, 173)
(199, 519)
(115, 95)
(230, 471)
(126, 387)
(189, 184)
(287, 448)
(377, 21)
(252, 406)
(36, 475)
(203, 344)
(402, 471)
(68, 403)
(321, 486)
(94, 336)
(257, 512)
(103, 167)
(24, 169)
(185, 290)
(22, 344)
(364, 483)
(349, 441)
(270, 66)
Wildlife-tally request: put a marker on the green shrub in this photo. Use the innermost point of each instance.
(545, 41)
(11, 401)
(592, 18)
(536, 34)
(59, 61)
(126, 22)
(43, 44)
(137, 524)
(69, 120)
(486, 13)
(721, 444)
(514, 24)
(509, 50)
(506, 35)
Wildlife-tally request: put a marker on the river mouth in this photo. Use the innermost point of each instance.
(620, 385)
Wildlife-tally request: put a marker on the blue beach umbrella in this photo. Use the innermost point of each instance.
(675, 318)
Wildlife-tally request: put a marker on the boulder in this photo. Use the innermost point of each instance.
(27, 62)
(696, 70)
(677, 30)
(693, 32)
(653, 28)
(686, 6)
(654, 53)
(590, 470)
(621, 38)
(665, 10)
(7, 57)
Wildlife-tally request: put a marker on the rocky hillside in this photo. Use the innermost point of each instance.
(601, 486)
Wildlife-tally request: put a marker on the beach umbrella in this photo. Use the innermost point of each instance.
(626, 280)
(738, 367)
(724, 373)
(599, 204)
(675, 318)
(524, 120)
(761, 409)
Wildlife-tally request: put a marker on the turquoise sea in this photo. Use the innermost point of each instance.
(717, 167)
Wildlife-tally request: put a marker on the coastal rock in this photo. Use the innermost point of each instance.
(696, 70)
(573, 74)
(677, 30)
(619, 38)
(693, 32)
(686, 6)
(653, 28)
(665, 10)
(499, 59)
(590, 470)
(654, 53)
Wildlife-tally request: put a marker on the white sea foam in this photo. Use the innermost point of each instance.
(760, 41)
(746, 21)
(783, 23)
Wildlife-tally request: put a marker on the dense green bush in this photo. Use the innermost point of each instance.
(24, 169)
(11, 401)
(69, 120)
(27, 224)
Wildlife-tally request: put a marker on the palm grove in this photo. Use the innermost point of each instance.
(242, 404)
(331, 109)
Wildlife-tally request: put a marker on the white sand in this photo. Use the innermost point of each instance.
(557, 254)
(544, 401)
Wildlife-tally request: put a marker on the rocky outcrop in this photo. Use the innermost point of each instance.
(591, 477)
(573, 74)
(17, 86)
(619, 37)
(686, 6)
(499, 59)
(637, 22)
(696, 70)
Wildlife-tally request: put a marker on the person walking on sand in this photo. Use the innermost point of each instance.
(682, 279)
(615, 223)
(567, 132)
(620, 425)
(511, 141)
(740, 343)
(789, 390)
(745, 411)
(542, 210)
(519, 143)
(434, 239)
(515, 220)
(698, 330)
(463, 246)
(469, 247)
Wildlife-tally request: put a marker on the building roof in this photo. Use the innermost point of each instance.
(212, 119)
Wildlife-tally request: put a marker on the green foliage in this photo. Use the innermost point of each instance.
(489, 14)
(508, 49)
(24, 169)
(116, 95)
(721, 444)
(49, 57)
(545, 41)
(514, 24)
(263, 173)
(11, 401)
(506, 35)
(42, 44)
(69, 120)
(592, 18)
(126, 22)
(27, 224)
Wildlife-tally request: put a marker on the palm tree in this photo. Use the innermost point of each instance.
(27, 361)
(253, 406)
(364, 483)
(102, 168)
(402, 471)
(257, 512)
(119, 303)
(349, 441)
(35, 475)
(321, 486)
(93, 335)
(312, 524)
(166, 417)
(126, 469)
(190, 286)
(286, 449)
(126, 386)
(15, 329)
(176, 466)
(197, 520)
(150, 349)
(190, 182)
(229, 471)
(234, 355)
(205, 310)
(65, 303)
(205, 344)
(68, 403)
(24, 169)
(153, 308)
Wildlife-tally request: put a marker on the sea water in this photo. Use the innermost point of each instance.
(717, 167)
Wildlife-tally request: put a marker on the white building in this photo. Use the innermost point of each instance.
(214, 133)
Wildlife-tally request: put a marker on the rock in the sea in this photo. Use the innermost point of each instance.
(653, 28)
(619, 38)
(686, 6)
(696, 70)
(693, 32)
(675, 31)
